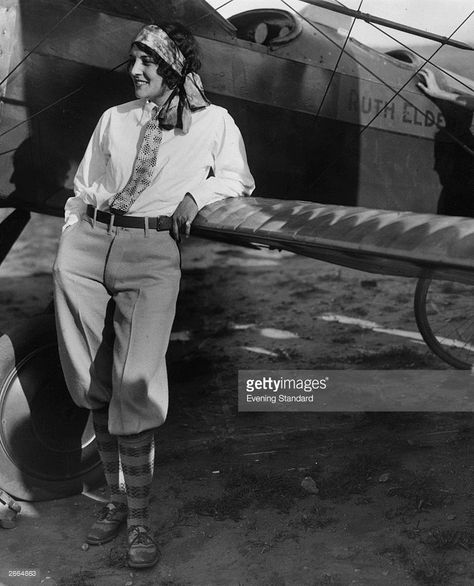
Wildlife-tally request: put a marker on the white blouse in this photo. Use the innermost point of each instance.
(209, 162)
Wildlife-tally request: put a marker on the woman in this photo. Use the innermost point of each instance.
(150, 165)
(454, 147)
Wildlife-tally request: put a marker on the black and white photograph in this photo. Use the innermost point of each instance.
(237, 267)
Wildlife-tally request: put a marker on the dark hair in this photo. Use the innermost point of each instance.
(186, 43)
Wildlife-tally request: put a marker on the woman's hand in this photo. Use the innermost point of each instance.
(183, 217)
(430, 87)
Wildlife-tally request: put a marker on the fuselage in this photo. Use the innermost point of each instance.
(310, 133)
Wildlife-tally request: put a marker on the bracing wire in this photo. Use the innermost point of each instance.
(386, 84)
(75, 91)
(41, 41)
(386, 33)
(55, 103)
(341, 53)
(426, 61)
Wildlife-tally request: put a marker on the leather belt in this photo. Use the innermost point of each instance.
(152, 223)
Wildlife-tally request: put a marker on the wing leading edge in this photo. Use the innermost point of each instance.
(379, 241)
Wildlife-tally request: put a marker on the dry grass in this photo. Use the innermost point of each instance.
(244, 488)
(353, 476)
(425, 568)
(447, 539)
(317, 517)
(82, 578)
(394, 357)
(420, 491)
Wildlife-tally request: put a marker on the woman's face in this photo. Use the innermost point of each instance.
(146, 79)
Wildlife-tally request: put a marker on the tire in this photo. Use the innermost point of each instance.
(442, 312)
(47, 444)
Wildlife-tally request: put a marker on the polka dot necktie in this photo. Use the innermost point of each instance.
(143, 168)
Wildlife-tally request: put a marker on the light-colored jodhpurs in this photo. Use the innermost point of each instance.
(115, 298)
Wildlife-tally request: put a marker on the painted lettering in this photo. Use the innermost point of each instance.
(429, 119)
(353, 101)
(378, 104)
(416, 120)
(366, 104)
(406, 114)
(409, 114)
(389, 111)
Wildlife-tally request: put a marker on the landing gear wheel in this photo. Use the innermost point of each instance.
(47, 444)
(443, 314)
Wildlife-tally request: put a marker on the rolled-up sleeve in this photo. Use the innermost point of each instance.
(230, 174)
(91, 170)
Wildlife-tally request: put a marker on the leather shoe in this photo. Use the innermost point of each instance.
(108, 524)
(143, 551)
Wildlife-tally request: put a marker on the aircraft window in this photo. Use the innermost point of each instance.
(402, 55)
(266, 27)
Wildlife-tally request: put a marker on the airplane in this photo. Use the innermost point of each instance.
(340, 139)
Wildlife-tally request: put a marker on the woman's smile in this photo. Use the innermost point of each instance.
(148, 83)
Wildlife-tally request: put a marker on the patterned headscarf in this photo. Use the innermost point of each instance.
(188, 95)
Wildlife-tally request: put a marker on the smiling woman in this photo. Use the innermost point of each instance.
(150, 165)
(146, 79)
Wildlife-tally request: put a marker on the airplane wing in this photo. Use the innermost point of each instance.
(39, 157)
(379, 241)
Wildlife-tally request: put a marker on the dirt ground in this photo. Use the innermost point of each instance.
(268, 499)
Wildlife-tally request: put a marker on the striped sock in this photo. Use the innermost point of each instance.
(109, 454)
(137, 454)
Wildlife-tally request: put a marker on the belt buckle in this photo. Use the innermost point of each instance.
(158, 223)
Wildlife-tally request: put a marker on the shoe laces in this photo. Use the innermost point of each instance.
(139, 534)
(108, 512)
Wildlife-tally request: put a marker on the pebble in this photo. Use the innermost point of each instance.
(129, 583)
(309, 485)
(451, 517)
(85, 546)
(384, 477)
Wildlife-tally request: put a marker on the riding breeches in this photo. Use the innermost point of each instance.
(115, 298)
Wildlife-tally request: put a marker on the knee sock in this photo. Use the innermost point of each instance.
(109, 454)
(137, 455)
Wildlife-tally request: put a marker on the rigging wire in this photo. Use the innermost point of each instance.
(341, 53)
(386, 84)
(77, 90)
(426, 61)
(58, 101)
(41, 41)
(386, 33)
(216, 9)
